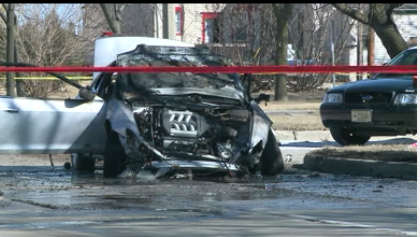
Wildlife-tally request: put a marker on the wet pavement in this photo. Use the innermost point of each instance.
(53, 201)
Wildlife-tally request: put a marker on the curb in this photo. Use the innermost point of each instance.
(325, 136)
(374, 168)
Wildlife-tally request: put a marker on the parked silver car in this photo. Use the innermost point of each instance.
(154, 121)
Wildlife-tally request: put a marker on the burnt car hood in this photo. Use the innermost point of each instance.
(227, 92)
(135, 85)
(375, 85)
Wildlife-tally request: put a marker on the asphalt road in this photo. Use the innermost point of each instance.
(52, 201)
(37, 199)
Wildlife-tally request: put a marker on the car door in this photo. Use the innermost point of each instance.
(47, 126)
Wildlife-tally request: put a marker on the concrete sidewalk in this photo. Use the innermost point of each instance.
(344, 165)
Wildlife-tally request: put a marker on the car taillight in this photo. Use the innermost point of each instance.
(415, 80)
(107, 33)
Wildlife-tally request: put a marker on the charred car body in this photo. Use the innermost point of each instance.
(172, 121)
(185, 120)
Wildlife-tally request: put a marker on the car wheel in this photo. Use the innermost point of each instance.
(344, 137)
(82, 163)
(271, 158)
(114, 156)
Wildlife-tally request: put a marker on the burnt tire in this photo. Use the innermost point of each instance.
(271, 160)
(82, 163)
(114, 156)
(345, 138)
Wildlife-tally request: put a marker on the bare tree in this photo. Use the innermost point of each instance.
(247, 33)
(112, 13)
(51, 39)
(244, 33)
(139, 19)
(310, 32)
(379, 17)
(283, 14)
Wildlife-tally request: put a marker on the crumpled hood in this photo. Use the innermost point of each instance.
(174, 57)
(227, 92)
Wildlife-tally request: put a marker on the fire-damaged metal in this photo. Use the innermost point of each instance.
(187, 120)
(161, 122)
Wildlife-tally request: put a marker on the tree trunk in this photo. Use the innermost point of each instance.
(280, 92)
(379, 17)
(391, 39)
(182, 22)
(20, 84)
(371, 46)
(282, 13)
(10, 28)
(114, 24)
(118, 18)
(165, 21)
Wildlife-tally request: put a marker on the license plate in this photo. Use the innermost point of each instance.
(361, 116)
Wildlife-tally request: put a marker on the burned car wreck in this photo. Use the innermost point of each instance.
(161, 122)
(182, 121)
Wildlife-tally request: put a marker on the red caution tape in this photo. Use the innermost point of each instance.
(223, 69)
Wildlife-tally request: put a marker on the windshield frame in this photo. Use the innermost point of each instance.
(396, 61)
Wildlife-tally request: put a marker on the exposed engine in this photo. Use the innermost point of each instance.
(210, 132)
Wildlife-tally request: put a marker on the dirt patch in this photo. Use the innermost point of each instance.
(290, 105)
(398, 153)
(297, 122)
(305, 100)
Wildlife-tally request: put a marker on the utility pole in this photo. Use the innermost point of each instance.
(157, 19)
(10, 49)
(332, 52)
(371, 46)
(165, 20)
(19, 83)
(182, 22)
(359, 48)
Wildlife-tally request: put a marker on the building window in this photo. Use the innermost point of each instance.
(209, 27)
(178, 20)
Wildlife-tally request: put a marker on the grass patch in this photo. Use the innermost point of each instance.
(297, 122)
(292, 105)
(396, 152)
